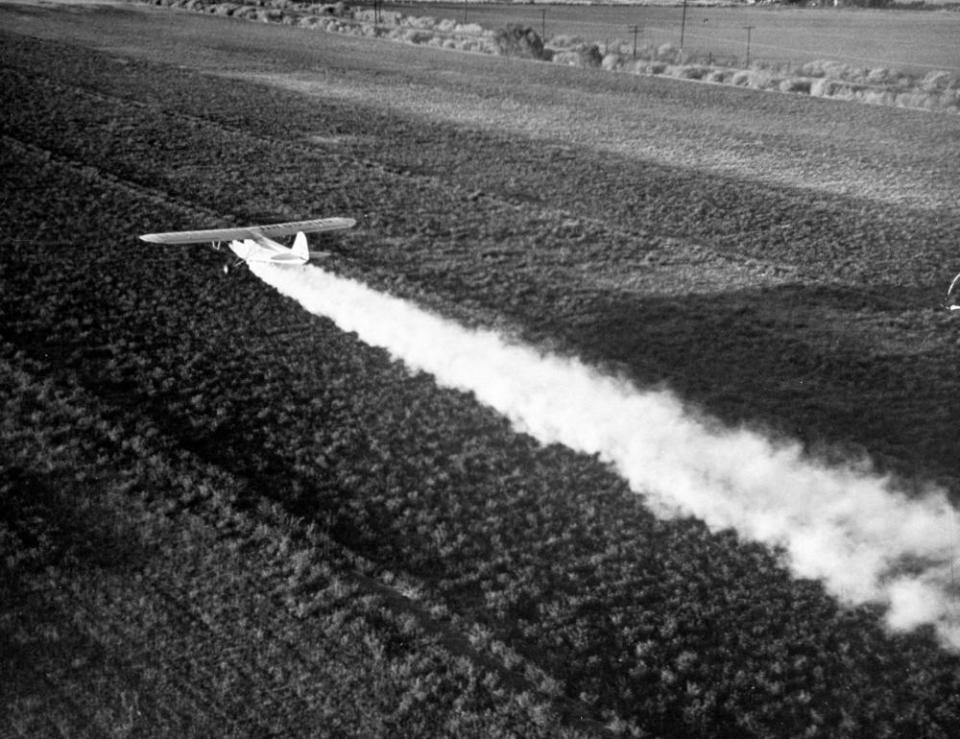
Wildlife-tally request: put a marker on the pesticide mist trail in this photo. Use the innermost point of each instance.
(864, 540)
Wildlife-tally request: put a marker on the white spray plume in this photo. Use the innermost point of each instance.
(866, 541)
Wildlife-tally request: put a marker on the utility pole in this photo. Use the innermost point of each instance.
(464, 12)
(543, 24)
(636, 29)
(749, 29)
(683, 24)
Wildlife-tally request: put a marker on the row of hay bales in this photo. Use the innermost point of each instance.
(879, 85)
(340, 18)
(936, 90)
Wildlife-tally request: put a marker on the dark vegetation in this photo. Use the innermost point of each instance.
(519, 41)
(402, 549)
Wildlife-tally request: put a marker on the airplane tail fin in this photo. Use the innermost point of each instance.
(300, 248)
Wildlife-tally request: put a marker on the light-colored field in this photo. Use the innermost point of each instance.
(908, 40)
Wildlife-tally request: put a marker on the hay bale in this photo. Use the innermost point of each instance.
(416, 35)
(586, 56)
(478, 45)
(879, 76)
(688, 71)
(879, 97)
(765, 80)
(849, 92)
(269, 15)
(914, 100)
(950, 99)
(386, 17)
(813, 69)
(567, 57)
(856, 74)
(424, 21)
(825, 87)
(758, 79)
(612, 61)
(564, 41)
(518, 41)
(939, 81)
(833, 70)
(667, 52)
(617, 46)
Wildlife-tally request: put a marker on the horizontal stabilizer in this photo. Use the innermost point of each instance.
(250, 232)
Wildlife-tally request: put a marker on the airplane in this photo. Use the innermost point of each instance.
(253, 243)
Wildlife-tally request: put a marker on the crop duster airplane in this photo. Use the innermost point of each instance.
(253, 243)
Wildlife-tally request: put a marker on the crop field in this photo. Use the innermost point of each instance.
(908, 40)
(222, 513)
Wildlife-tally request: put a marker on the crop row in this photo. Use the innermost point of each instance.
(659, 625)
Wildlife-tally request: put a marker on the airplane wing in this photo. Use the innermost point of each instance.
(250, 232)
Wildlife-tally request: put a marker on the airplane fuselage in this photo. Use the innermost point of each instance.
(263, 249)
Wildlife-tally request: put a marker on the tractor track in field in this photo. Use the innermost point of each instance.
(94, 173)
